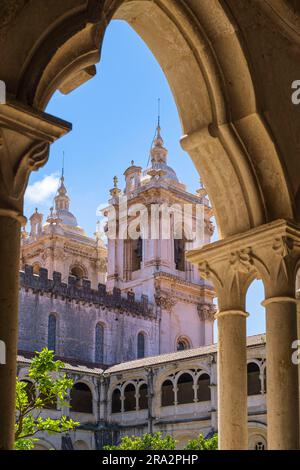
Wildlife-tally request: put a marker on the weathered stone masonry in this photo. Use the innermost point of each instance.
(78, 310)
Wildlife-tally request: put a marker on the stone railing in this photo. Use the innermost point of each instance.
(82, 291)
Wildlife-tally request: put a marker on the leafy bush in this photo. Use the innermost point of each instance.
(47, 386)
(203, 444)
(146, 442)
(157, 442)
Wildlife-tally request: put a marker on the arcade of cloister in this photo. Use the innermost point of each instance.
(230, 66)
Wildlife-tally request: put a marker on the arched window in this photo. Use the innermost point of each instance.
(143, 397)
(116, 405)
(99, 343)
(203, 392)
(81, 398)
(137, 253)
(182, 344)
(78, 272)
(141, 345)
(253, 380)
(167, 393)
(265, 380)
(129, 398)
(179, 254)
(52, 332)
(185, 390)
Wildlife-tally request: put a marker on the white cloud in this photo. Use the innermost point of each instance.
(40, 191)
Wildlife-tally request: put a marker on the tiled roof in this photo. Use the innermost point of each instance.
(177, 356)
(74, 366)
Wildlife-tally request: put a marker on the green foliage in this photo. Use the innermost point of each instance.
(157, 442)
(146, 442)
(49, 386)
(203, 444)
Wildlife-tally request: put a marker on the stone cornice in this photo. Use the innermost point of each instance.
(32, 123)
(171, 277)
(270, 252)
(256, 237)
(160, 189)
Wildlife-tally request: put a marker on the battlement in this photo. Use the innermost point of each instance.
(82, 292)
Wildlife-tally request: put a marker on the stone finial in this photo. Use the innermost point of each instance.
(158, 152)
(201, 192)
(115, 191)
(62, 200)
(24, 233)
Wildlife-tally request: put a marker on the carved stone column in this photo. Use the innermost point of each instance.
(230, 273)
(270, 252)
(25, 136)
(281, 329)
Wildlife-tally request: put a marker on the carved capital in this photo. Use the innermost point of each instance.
(283, 246)
(25, 137)
(164, 300)
(241, 261)
(206, 311)
(207, 272)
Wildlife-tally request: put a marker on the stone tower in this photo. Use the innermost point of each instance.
(62, 245)
(148, 258)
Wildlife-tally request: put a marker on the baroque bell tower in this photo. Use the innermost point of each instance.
(155, 217)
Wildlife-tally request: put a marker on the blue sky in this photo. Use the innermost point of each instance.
(114, 117)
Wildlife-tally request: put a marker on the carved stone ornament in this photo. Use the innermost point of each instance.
(206, 311)
(242, 261)
(283, 246)
(164, 300)
(206, 272)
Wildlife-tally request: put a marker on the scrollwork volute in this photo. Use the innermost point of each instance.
(17, 164)
(164, 300)
(25, 138)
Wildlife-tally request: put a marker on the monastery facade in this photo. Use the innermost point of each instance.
(132, 319)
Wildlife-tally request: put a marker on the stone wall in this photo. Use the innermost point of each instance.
(78, 309)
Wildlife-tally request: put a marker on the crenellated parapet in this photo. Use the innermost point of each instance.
(82, 292)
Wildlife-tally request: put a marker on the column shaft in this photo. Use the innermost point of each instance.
(9, 292)
(282, 376)
(232, 381)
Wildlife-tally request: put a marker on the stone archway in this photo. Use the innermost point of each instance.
(215, 95)
(219, 95)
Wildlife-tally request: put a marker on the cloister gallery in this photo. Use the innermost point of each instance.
(231, 66)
